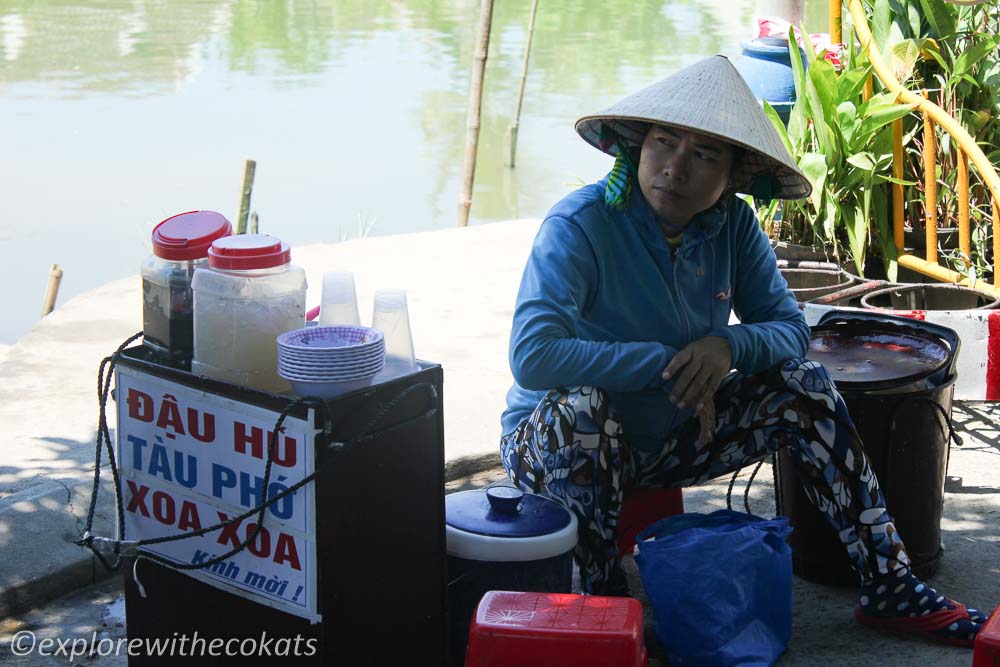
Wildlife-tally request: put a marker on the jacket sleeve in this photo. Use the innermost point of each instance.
(559, 282)
(772, 329)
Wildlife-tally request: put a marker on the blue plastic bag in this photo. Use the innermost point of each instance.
(720, 585)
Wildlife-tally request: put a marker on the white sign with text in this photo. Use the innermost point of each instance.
(190, 459)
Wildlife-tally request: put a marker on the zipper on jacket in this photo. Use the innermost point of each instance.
(679, 298)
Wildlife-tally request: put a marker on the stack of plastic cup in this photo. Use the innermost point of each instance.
(391, 316)
(340, 301)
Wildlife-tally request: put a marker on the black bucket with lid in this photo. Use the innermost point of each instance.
(503, 539)
(897, 377)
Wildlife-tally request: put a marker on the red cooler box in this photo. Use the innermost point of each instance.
(987, 648)
(557, 630)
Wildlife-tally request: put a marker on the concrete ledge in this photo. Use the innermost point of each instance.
(467, 466)
(38, 527)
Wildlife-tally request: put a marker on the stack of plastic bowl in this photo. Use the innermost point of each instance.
(329, 361)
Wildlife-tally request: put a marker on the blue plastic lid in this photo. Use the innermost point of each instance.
(504, 511)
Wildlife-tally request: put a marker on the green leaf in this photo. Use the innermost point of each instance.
(813, 165)
(824, 79)
(808, 47)
(938, 58)
(778, 126)
(967, 59)
(881, 22)
(820, 92)
(877, 117)
(862, 161)
(941, 16)
(856, 218)
(880, 219)
(798, 72)
(966, 78)
(828, 140)
(847, 118)
(830, 220)
(797, 126)
(903, 58)
(881, 147)
(913, 17)
(890, 179)
(850, 83)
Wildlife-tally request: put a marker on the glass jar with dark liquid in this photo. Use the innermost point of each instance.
(180, 245)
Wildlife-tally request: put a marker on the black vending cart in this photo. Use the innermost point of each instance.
(347, 570)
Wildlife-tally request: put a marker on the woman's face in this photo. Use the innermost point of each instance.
(682, 173)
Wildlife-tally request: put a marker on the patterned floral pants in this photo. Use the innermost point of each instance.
(571, 449)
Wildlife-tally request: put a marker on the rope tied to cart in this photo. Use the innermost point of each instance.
(112, 551)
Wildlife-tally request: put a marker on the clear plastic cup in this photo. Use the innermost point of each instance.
(340, 300)
(391, 316)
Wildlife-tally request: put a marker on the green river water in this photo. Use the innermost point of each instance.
(115, 114)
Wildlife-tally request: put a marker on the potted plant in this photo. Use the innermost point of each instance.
(843, 144)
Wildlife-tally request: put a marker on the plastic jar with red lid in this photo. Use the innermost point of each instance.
(247, 295)
(180, 246)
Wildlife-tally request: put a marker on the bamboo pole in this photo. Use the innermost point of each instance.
(249, 168)
(52, 290)
(930, 187)
(254, 227)
(472, 115)
(510, 140)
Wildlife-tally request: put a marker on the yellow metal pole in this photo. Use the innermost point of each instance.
(897, 188)
(964, 235)
(945, 275)
(904, 96)
(961, 138)
(930, 187)
(836, 22)
(996, 245)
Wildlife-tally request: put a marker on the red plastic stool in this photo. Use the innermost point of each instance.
(641, 507)
(987, 647)
(556, 630)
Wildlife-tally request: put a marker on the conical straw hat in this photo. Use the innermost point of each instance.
(709, 97)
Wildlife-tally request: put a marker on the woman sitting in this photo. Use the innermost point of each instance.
(622, 350)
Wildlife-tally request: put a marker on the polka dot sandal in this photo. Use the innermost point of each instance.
(911, 607)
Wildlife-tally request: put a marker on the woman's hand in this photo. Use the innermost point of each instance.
(699, 369)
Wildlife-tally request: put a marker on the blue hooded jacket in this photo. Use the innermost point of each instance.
(603, 302)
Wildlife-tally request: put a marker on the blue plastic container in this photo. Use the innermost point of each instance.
(766, 66)
(503, 540)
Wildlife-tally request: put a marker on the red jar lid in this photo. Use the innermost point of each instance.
(189, 235)
(248, 251)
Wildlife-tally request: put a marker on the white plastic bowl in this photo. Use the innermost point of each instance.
(290, 371)
(343, 338)
(327, 389)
